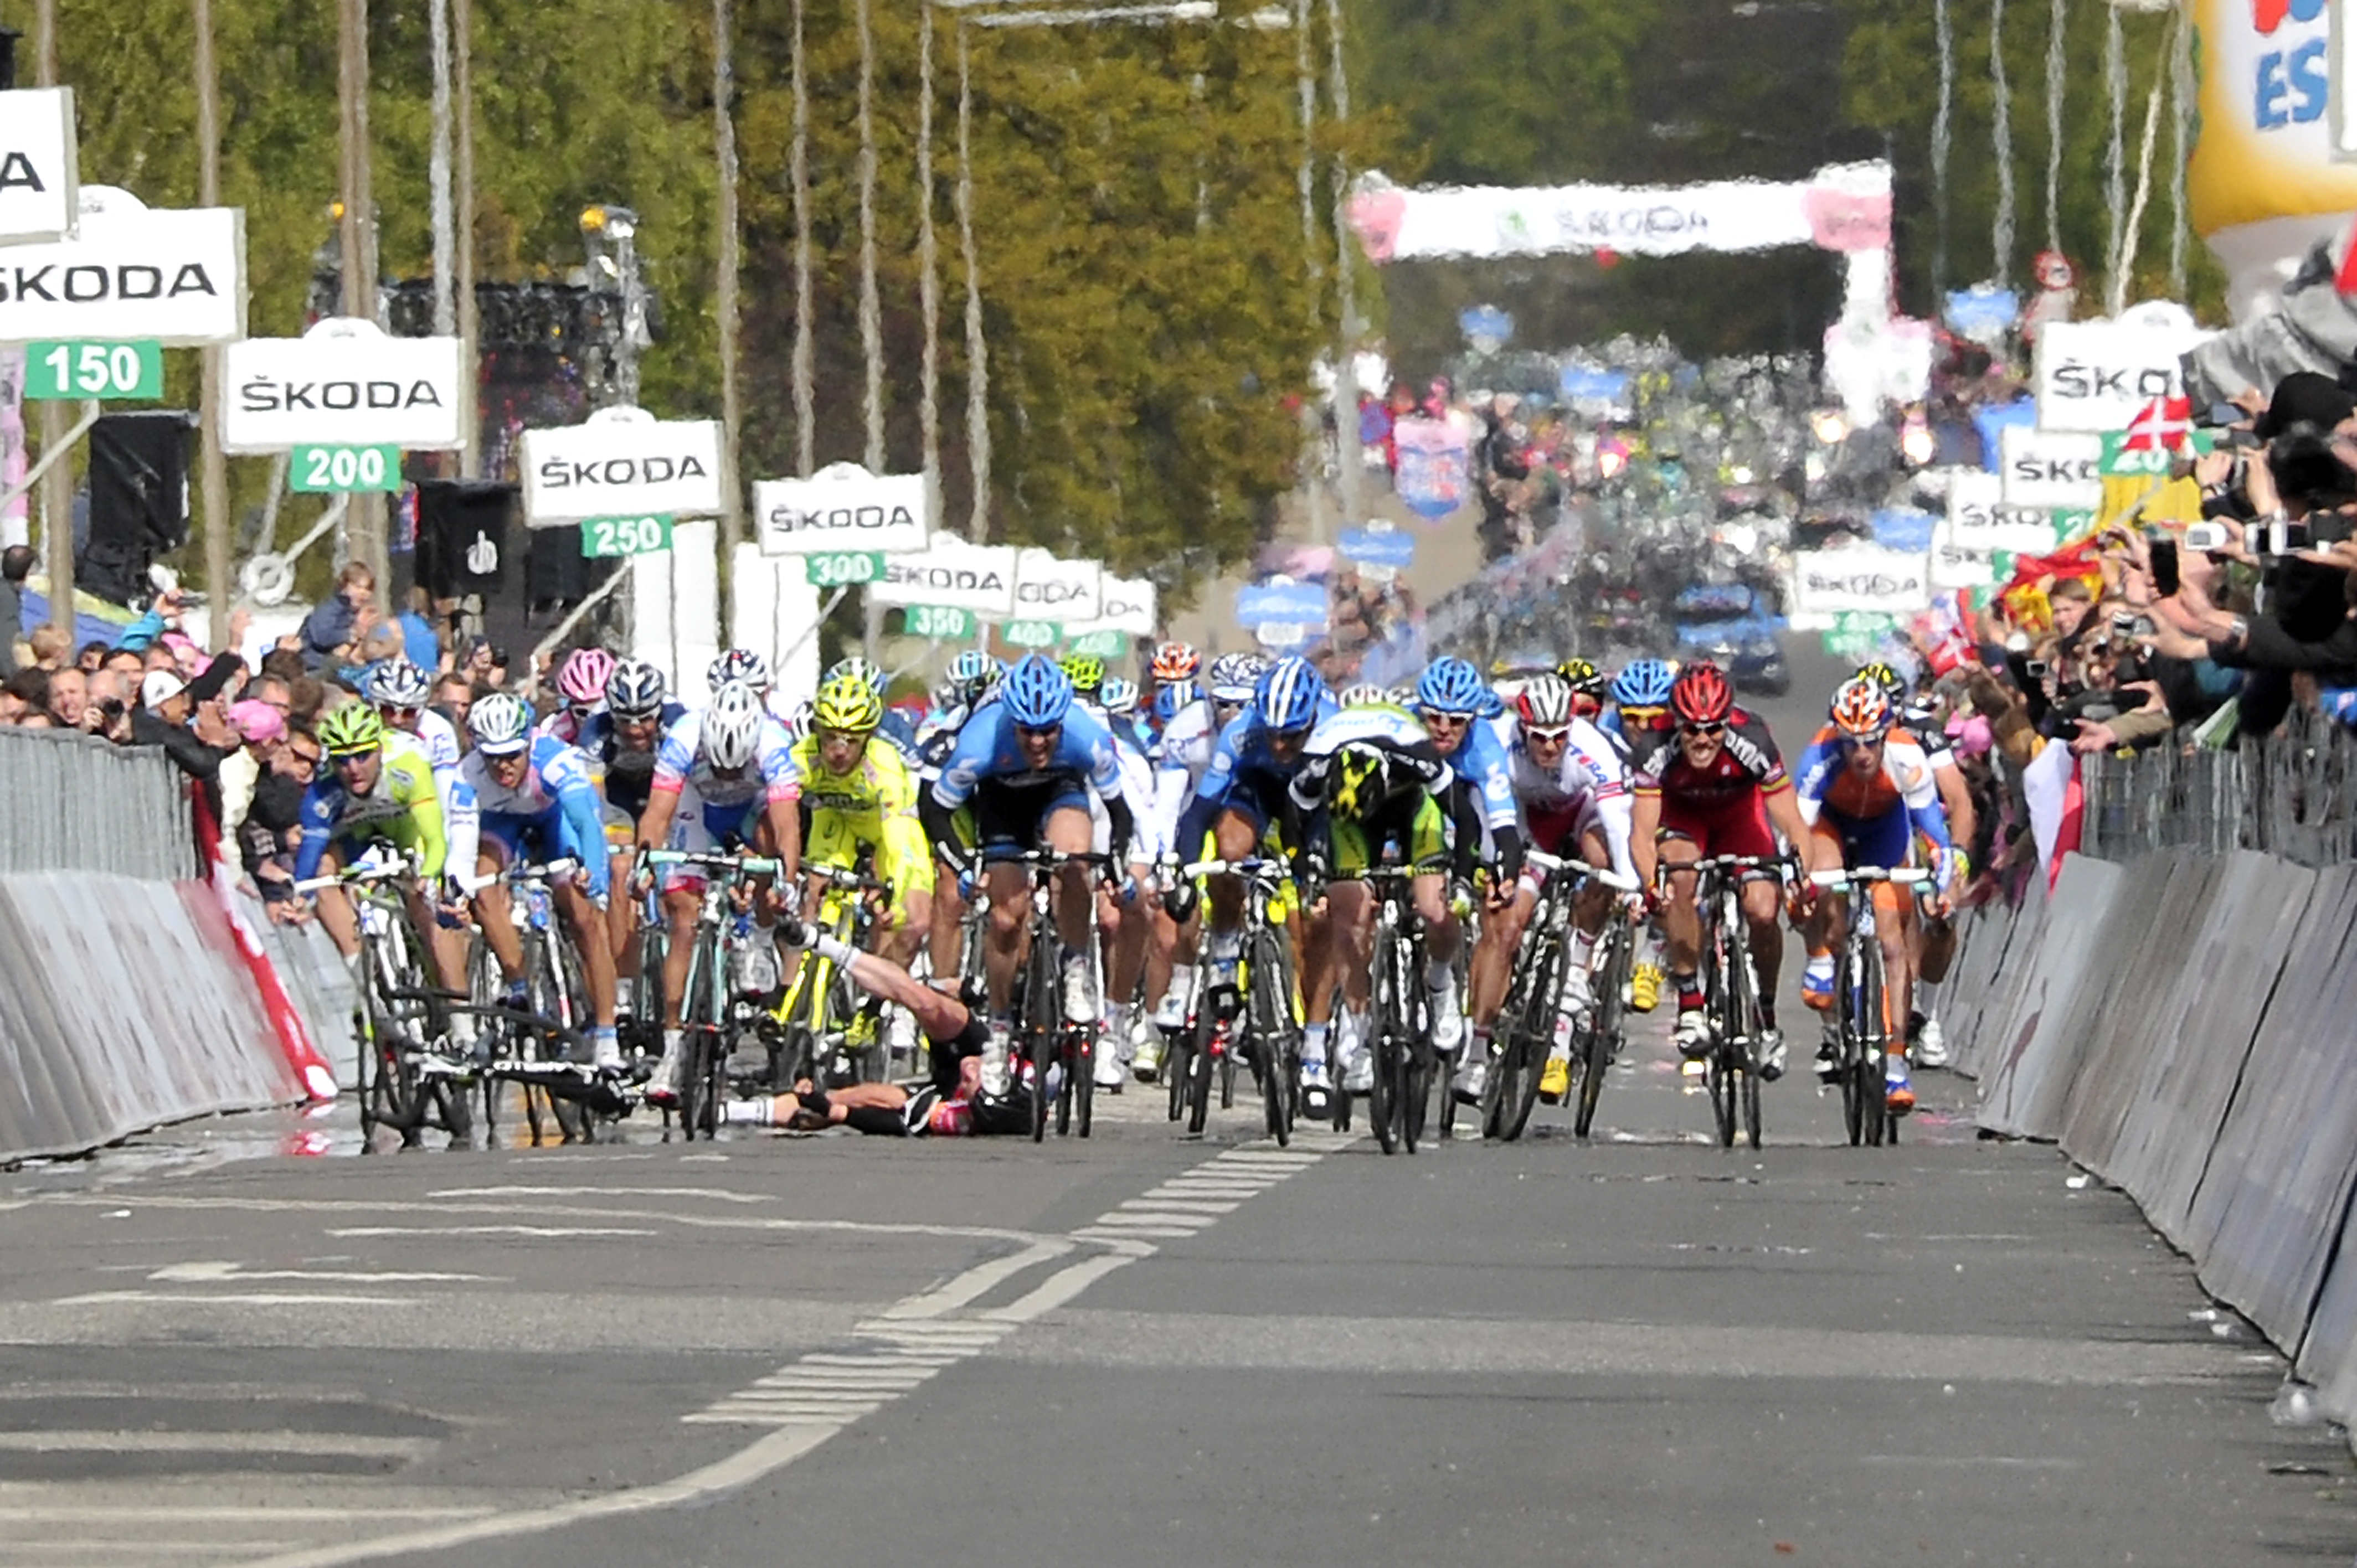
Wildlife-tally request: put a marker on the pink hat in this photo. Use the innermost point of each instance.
(1970, 732)
(258, 722)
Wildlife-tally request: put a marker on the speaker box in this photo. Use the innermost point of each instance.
(463, 528)
(556, 573)
(139, 480)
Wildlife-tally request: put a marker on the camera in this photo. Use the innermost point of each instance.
(2205, 536)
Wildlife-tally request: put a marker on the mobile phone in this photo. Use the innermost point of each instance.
(2037, 668)
(2205, 536)
(2163, 553)
(2123, 623)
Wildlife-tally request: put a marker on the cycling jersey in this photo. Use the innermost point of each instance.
(872, 803)
(1012, 799)
(461, 825)
(1721, 807)
(1876, 815)
(680, 764)
(627, 777)
(568, 727)
(1588, 787)
(404, 806)
(1243, 776)
(552, 811)
(1481, 760)
(439, 736)
(1414, 820)
(1180, 757)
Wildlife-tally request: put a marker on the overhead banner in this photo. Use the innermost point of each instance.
(2097, 376)
(1048, 587)
(841, 507)
(1981, 519)
(342, 383)
(1128, 605)
(623, 462)
(1860, 577)
(39, 177)
(2051, 469)
(949, 573)
(1843, 209)
(132, 271)
(1302, 604)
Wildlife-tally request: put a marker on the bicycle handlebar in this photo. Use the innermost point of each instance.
(551, 872)
(744, 865)
(1605, 875)
(1255, 865)
(1905, 876)
(352, 874)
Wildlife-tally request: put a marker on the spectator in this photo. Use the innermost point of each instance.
(127, 662)
(107, 714)
(454, 693)
(331, 633)
(266, 833)
(282, 663)
(90, 657)
(68, 696)
(272, 690)
(50, 643)
(307, 698)
(16, 565)
(166, 709)
(420, 643)
(25, 691)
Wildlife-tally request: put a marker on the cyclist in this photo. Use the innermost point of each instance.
(1936, 948)
(1174, 663)
(537, 802)
(1587, 685)
(973, 678)
(1030, 763)
(378, 786)
(1713, 787)
(893, 725)
(399, 690)
(722, 782)
(582, 684)
(1169, 702)
(1129, 915)
(1453, 704)
(1371, 777)
(1864, 789)
(860, 794)
(1641, 709)
(620, 744)
(1573, 792)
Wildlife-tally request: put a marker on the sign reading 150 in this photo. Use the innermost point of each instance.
(118, 370)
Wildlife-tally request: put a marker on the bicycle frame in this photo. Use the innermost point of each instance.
(703, 1000)
(1861, 1001)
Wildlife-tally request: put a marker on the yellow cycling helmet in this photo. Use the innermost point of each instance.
(1087, 672)
(848, 703)
(353, 730)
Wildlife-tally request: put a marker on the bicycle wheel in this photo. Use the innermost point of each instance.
(1202, 1066)
(1850, 1049)
(1715, 1071)
(1513, 1092)
(700, 1034)
(1383, 1107)
(1040, 1007)
(1743, 1013)
(1874, 1110)
(1269, 1013)
(1084, 1057)
(1603, 1038)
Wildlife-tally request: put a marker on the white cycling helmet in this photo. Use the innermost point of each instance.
(740, 664)
(732, 726)
(1236, 676)
(1365, 694)
(500, 724)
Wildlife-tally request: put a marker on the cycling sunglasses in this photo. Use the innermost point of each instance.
(1549, 735)
(1716, 726)
(1038, 731)
(1642, 718)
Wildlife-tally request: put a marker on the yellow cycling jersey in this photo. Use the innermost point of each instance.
(879, 784)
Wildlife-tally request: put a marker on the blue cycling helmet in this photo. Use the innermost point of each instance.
(1289, 695)
(1645, 683)
(1169, 699)
(1453, 686)
(1035, 692)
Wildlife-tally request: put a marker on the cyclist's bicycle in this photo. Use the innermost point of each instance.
(1730, 993)
(1045, 1041)
(708, 1024)
(542, 1047)
(1531, 1015)
(1399, 1030)
(1860, 1030)
(408, 1080)
(1264, 999)
(826, 1029)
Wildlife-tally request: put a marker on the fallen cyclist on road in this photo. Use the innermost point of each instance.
(954, 1103)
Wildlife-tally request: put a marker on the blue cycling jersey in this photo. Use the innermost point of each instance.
(555, 803)
(988, 751)
(629, 774)
(1243, 773)
(1482, 760)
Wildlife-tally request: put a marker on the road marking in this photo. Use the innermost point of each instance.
(912, 1334)
(1188, 1206)
(332, 1444)
(115, 1513)
(204, 1272)
(1163, 1232)
(139, 1550)
(718, 1193)
(250, 1298)
(530, 1232)
(1187, 1223)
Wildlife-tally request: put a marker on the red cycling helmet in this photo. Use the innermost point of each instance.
(1701, 695)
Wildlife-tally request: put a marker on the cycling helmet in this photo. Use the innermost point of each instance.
(846, 702)
(1035, 692)
(1582, 676)
(1860, 710)
(1175, 662)
(739, 664)
(1087, 671)
(398, 683)
(1236, 676)
(501, 724)
(1365, 694)
(1170, 699)
(635, 690)
(732, 726)
(1701, 695)
(1645, 683)
(1893, 684)
(797, 724)
(972, 673)
(1119, 694)
(583, 679)
(1546, 703)
(1453, 686)
(1289, 695)
(353, 730)
(855, 665)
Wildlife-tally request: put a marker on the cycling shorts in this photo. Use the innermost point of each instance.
(1886, 840)
(1010, 820)
(1559, 832)
(538, 835)
(1736, 826)
(1417, 826)
(903, 860)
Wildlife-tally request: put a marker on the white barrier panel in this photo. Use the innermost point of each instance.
(773, 610)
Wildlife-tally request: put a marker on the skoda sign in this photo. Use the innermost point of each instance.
(130, 272)
(841, 507)
(623, 462)
(1128, 605)
(38, 195)
(949, 573)
(1048, 587)
(342, 383)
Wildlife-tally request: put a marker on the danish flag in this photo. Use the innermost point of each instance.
(2164, 425)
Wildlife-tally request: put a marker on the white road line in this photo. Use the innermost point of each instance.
(903, 1359)
(205, 1272)
(718, 1193)
(112, 1513)
(1206, 1189)
(976, 1281)
(1191, 1206)
(1161, 1232)
(528, 1232)
(251, 1298)
(1189, 1223)
(339, 1444)
(142, 1550)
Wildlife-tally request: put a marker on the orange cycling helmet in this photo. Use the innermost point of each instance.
(1175, 662)
(1860, 710)
(1701, 695)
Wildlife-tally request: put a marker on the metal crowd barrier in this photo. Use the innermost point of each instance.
(75, 803)
(2293, 795)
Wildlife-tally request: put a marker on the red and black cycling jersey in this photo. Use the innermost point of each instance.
(1748, 761)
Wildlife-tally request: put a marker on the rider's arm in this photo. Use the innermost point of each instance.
(1957, 801)
(426, 820)
(318, 821)
(674, 758)
(1784, 812)
(1644, 823)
